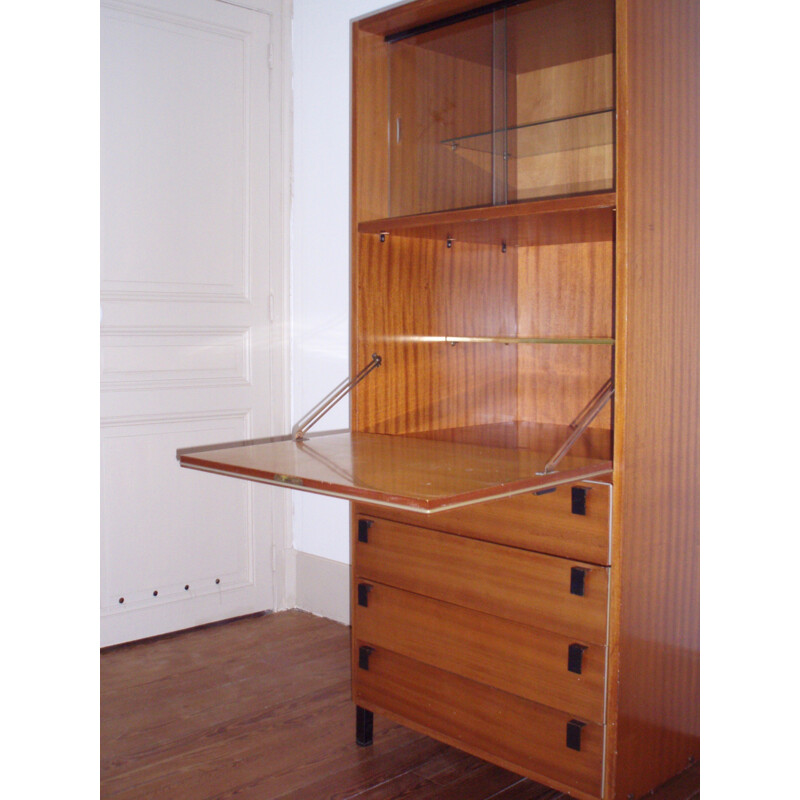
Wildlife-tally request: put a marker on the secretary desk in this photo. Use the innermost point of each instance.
(522, 459)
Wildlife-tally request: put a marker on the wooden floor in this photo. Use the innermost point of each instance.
(260, 709)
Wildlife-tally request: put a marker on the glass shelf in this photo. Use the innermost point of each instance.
(516, 340)
(562, 134)
(424, 473)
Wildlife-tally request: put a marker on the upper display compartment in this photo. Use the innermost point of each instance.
(510, 105)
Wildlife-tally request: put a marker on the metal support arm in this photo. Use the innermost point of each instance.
(581, 423)
(327, 403)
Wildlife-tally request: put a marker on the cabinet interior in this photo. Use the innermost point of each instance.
(499, 283)
(508, 106)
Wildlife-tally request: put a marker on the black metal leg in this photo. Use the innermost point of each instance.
(363, 727)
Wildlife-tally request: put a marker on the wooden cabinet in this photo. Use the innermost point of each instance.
(528, 232)
(523, 452)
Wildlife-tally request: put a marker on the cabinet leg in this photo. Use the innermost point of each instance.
(363, 727)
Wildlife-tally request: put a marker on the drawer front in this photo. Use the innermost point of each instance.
(547, 523)
(512, 731)
(531, 588)
(539, 665)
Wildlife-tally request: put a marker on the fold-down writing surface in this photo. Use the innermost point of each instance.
(416, 474)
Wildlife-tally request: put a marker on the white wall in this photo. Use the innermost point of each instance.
(320, 240)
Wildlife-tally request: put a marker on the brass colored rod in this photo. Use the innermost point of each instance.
(521, 340)
(581, 423)
(327, 403)
(587, 409)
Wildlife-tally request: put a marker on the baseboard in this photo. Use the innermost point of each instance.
(323, 587)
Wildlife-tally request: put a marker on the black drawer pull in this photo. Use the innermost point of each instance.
(577, 580)
(575, 658)
(579, 500)
(364, 653)
(363, 529)
(363, 594)
(574, 734)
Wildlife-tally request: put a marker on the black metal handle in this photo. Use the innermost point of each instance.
(579, 500)
(575, 658)
(363, 529)
(577, 580)
(363, 594)
(574, 727)
(364, 652)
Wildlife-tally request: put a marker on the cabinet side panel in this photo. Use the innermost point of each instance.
(656, 541)
(370, 137)
(369, 165)
(440, 88)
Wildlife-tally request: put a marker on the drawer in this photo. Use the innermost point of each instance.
(553, 594)
(546, 667)
(516, 733)
(545, 523)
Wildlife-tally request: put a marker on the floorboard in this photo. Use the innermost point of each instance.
(260, 709)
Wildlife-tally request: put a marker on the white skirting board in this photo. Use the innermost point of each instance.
(323, 587)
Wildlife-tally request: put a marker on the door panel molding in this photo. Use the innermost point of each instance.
(162, 246)
(174, 358)
(195, 109)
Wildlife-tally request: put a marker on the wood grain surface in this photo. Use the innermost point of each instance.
(560, 205)
(565, 285)
(544, 523)
(655, 589)
(481, 719)
(633, 273)
(516, 658)
(369, 114)
(440, 87)
(519, 585)
(423, 474)
(410, 289)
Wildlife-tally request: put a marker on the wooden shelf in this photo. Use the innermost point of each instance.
(512, 211)
(425, 473)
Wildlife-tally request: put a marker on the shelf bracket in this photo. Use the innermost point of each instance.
(581, 423)
(300, 430)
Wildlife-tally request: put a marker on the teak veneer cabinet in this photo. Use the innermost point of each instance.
(524, 246)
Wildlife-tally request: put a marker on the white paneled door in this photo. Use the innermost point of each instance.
(193, 288)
